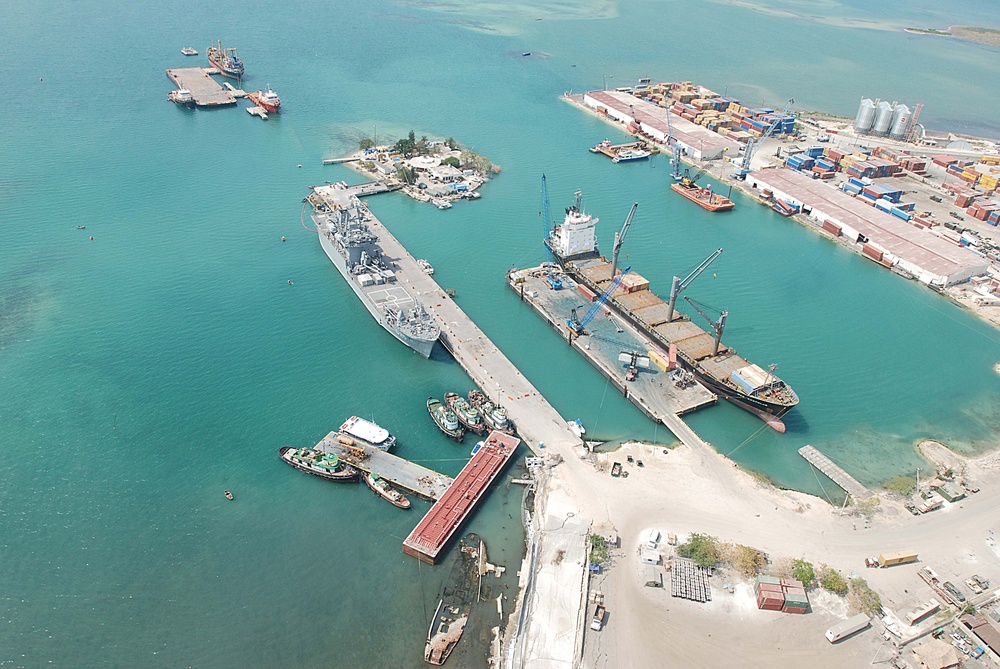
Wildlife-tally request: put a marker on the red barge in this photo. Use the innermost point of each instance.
(434, 531)
(703, 197)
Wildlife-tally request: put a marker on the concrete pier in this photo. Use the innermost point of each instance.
(653, 391)
(835, 473)
(537, 421)
(409, 476)
(206, 91)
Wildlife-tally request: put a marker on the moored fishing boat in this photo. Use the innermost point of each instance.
(445, 419)
(494, 415)
(324, 465)
(458, 594)
(382, 488)
(467, 414)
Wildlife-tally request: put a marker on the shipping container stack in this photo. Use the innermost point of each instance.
(781, 594)
(720, 114)
(984, 211)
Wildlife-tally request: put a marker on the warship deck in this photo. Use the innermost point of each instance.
(443, 519)
(408, 476)
(653, 389)
(205, 90)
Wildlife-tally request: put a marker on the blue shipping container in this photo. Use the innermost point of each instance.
(898, 213)
(851, 188)
(884, 205)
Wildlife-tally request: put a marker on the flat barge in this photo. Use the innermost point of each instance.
(205, 90)
(703, 197)
(433, 532)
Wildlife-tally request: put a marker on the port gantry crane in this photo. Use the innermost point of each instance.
(752, 145)
(675, 150)
(620, 239)
(678, 286)
(717, 325)
(576, 325)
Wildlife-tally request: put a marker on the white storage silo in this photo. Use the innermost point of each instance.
(883, 118)
(900, 122)
(866, 116)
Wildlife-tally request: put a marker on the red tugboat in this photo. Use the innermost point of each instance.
(268, 100)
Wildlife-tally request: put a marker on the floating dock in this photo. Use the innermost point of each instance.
(257, 111)
(434, 531)
(653, 390)
(611, 150)
(237, 93)
(409, 476)
(206, 91)
(849, 484)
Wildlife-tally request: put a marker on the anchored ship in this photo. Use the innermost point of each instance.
(267, 100)
(730, 376)
(342, 223)
(226, 61)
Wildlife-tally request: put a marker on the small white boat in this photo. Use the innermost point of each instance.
(426, 267)
(188, 51)
(442, 204)
(577, 427)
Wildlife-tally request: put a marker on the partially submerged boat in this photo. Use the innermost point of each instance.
(494, 415)
(458, 594)
(467, 414)
(445, 419)
(382, 488)
(318, 463)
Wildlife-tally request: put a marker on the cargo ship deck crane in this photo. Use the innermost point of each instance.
(678, 286)
(717, 325)
(620, 239)
(577, 325)
(752, 145)
(555, 283)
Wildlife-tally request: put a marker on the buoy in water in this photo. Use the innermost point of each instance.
(300, 164)
(92, 238)
(290, 283)
(282, 238)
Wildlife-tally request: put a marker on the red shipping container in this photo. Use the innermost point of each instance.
(586, 292)
(768, 587)
(832, 228)
(789, 609)
(872, 252)
(790, 583)
(795, 591)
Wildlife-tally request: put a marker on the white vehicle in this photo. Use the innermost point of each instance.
(598, 620)
(847, 628)
(652, 539)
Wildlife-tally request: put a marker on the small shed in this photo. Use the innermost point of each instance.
(951, 492)
(649, 556)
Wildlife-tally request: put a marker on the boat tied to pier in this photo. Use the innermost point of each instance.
(267, 100)
(717, 367)
(382, 488)
(445, 419)
(493, 415)
(467, 414)
(226, 61)
(367, 433)
(318, 463)
(458, 595)
(704, 197)
(182, 97)
(342, 223)
(627, 155)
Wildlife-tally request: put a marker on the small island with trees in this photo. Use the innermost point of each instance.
(435, 171)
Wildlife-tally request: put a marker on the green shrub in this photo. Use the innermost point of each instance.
(861, 598)
(600, 551)
(803, 571)
(830, 579)
(701, 548)
(900, 485)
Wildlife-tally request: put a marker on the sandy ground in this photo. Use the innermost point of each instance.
(696, 490)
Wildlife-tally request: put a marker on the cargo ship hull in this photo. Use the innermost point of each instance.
(703, 197)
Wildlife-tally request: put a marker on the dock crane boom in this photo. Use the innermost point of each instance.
(718, 325)
(546, 219)
(752, 145)
(678, 286)
(577, 325)
(620, 239)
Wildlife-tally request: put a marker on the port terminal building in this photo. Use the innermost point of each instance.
(698, 142)
(881, 237)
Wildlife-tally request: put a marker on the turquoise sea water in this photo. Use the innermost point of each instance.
(147, 370)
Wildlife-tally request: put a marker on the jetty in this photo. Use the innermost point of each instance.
(835, 473)
(538, 423)
(660, 392)
(409, 476)
(206, 91)
(237, 93)
(257, 111)
(443, 519)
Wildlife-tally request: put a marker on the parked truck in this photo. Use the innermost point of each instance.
(598, 620)
(898, 557)
(847, 628)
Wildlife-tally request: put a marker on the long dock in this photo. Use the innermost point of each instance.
(654, 390)
(204, 89)
(411, 477)
(443, 519)
(832, 471)
(538, 423)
